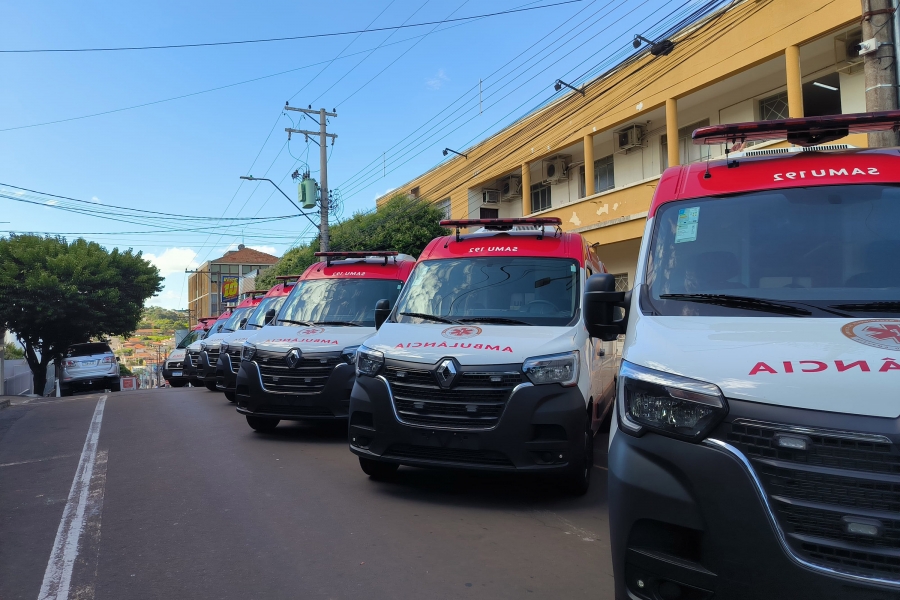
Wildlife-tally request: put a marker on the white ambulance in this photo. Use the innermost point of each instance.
(485, 362)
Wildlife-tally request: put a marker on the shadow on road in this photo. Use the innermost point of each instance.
(317, 432)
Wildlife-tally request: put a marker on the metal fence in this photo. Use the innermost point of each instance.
(18, 378)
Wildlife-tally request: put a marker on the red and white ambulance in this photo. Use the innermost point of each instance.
(755, 451)
(302, 366)
(210, 345)
(229, 359)
(485, 362)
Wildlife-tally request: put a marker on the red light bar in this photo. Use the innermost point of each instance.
(287, 277)
(330, 256)
(502, 224)
(257, 292)
(803, 132)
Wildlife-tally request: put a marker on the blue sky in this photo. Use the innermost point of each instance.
(185, 156)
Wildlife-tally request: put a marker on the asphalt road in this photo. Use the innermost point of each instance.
(184, 500)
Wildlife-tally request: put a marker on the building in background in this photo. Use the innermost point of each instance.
(204, 285)
(594, 160)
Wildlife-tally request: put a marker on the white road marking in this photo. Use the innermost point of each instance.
(58, 575)
(35, 460)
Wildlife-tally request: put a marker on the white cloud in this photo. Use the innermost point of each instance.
(436, 82)
(174, 260)
(266, 249)
(96, 200)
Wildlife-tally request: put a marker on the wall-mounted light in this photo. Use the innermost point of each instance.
(825, 86)
(446, 150)
(660, 48)
(560, 83)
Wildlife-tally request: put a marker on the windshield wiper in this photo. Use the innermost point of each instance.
(350, 323)
(870, 307)
(498, 320)
(304, 323)
(429, 317)
(254, 325)
(743, 302)
(227, 329)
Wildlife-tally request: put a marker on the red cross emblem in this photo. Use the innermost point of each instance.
(884, 332)
(880, 333)
(461, 332)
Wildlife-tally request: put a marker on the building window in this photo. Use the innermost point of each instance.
(444, 207)
(540, 197)
(414, 192)
(621, 282)
(489, 213)
(688, 151)
(774, 107)
(604, 176)
(822, 96)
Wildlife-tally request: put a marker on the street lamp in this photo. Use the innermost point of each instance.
(446, 150)
(660, 48)
(252, 178)
(560, 83)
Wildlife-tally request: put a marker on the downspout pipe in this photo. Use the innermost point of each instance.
(895, 31)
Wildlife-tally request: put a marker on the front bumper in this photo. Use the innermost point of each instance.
(226, 375)
(332, 402)
(206, 372)
(184, 375)
(736, 517)
(540, 430)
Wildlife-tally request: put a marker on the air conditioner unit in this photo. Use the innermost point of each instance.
(554, 169)
(489, 196)
(847, 51)
(630, 137)
(510, 187)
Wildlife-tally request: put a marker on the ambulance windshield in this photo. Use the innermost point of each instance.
(827, 251)
(348, 302)
(502, 290)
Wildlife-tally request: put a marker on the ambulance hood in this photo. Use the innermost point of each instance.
(177, 354)
(838, 365)
(325, 338)
(471, 344)
(215, 340)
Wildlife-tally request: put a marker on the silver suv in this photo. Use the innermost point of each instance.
(91, 366)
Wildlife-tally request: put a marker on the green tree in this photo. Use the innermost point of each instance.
(54, 293)
(402, 223)
(13, 352)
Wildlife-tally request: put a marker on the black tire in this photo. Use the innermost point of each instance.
(262, 424)
(376, 469)
(211, 386)
(230, 395)
(64, 391)
(578, 480)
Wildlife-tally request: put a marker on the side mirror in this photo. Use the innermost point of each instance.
(270, 316)
(118, 359)
(600, 302)
(382, 311)
(243, 322)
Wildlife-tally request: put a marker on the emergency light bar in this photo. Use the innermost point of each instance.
(287, 278)
(330, 256)
(809, 131)
(255, 293)
(502, 224)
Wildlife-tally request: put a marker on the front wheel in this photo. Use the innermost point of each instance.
(262, 424)
(377, 469)
(211, 386)
(578, 479)
(230, 395)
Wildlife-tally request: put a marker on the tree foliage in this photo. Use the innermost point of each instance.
(13, 352)
(155, 317)
(402, 224)
(54, 293)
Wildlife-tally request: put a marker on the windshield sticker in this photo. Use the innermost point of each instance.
(461, 332)
(688, 219)
(461, 345)
(879, 333)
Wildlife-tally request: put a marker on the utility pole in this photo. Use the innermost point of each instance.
(324, 232)
(880, 64)
(2, 357)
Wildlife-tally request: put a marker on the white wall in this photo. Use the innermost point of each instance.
(853, 92)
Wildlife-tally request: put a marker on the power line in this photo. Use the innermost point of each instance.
(283, 39)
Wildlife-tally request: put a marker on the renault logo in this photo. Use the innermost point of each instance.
(446, 372)
(293, 358)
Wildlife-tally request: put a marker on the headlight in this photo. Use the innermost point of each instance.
(368, 361)
(555, 368)
(202, 346)
(223, 347)
(668, 404)
(349, 354)
(248, 351)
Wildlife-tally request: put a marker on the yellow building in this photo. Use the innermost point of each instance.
(204, 284)
(594, 160)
